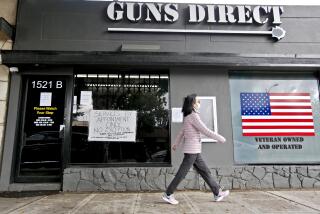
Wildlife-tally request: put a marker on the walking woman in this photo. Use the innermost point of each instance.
(190, 133)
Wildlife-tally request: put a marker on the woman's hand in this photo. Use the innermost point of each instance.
(174, 147)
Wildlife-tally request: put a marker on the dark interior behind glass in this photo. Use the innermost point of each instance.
(146, 93)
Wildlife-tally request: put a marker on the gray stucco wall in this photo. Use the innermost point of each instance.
(205, 82)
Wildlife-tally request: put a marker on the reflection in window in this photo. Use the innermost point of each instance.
(145, 93)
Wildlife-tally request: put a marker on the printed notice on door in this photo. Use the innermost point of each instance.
(45, 98)
(112, 125)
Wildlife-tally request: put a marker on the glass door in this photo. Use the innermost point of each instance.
(39, 157)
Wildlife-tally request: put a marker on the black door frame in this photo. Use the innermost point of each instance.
(67, 74)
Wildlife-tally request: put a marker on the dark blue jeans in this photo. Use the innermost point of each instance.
(199, 164)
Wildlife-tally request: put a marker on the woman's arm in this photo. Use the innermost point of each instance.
(199, 125)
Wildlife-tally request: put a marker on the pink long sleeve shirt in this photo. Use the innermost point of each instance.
(190, 133)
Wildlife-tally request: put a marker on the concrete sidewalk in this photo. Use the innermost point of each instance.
(301, 201)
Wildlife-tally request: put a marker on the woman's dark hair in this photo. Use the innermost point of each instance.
(187, 107)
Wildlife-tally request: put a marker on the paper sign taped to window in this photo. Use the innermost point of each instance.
(177, 115)
(112, 125)
(86, 98)
(45, 98)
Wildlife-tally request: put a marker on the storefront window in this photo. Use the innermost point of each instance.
(275, 118)
(120, 118)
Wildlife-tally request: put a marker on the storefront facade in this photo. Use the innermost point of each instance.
(95, 101)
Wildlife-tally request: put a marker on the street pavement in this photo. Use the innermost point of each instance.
(285, 201)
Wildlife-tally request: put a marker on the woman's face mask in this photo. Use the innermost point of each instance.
(196, 105)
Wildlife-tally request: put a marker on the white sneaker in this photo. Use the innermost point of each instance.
(221, 195)
(169, 198)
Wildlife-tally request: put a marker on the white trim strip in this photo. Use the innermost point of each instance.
(290, 97)
(277, 130)
(289, 104)
(277, 117)
(291, 110)
(154, 30)
(278, 124)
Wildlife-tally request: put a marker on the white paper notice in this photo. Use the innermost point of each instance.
(45, 98)
(86, 98)
(177, 116)
(112, 125)
(74, 109)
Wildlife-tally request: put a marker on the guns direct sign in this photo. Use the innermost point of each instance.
(211, 14)
(112, 125)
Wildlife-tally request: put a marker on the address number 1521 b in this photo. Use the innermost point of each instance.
(47, 84)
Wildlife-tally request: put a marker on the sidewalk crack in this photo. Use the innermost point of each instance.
(136, 204)
(17, 209)
(192, 206)
(292, 200)
(82, 203)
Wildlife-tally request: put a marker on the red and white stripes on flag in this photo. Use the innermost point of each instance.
(291, 115)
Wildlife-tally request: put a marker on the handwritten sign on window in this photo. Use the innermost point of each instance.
(112, 125)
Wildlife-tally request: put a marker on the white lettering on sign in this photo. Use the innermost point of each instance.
(44, 84)
(112, 125)
(158, 12)
(210, 14)
(135, 11)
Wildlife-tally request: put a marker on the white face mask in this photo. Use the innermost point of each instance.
(197, 106)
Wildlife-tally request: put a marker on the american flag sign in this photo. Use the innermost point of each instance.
(276, 114)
